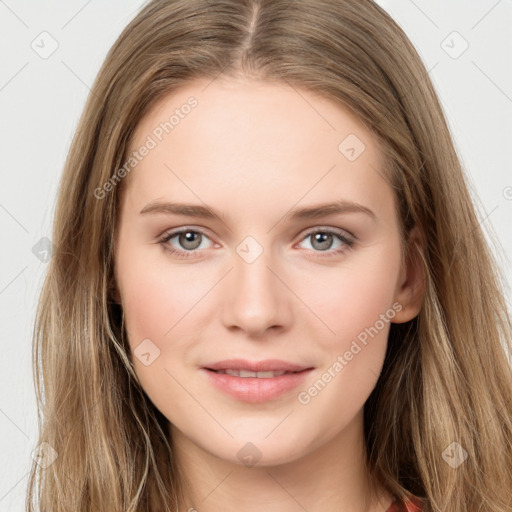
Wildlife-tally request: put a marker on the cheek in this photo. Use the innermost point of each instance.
(156, 301)
(356, 302)
(364, 299)
(156, 295)
(353, 297)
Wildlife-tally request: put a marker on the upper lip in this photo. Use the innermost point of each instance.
(268, 365)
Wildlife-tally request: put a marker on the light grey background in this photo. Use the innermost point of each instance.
(41, 100)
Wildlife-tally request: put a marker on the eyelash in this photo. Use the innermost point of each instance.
(348, 242)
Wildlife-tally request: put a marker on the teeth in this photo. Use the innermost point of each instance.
(247, 373)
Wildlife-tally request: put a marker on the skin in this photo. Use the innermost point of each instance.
(254, 151)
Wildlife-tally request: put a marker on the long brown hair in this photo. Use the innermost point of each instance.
(446, 377)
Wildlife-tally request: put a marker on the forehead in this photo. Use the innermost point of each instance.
(258, 140)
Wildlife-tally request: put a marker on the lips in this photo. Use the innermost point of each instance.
(256, 389)
(244, 365)
(248, 373)
(256, 381)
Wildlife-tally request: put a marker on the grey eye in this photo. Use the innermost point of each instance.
(189, 239)
(321, 241)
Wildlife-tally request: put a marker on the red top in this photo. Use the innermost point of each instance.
(412, 505)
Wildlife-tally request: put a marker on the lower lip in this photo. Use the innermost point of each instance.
(253, 389)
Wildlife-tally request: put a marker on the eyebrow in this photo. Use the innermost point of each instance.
(207, 212)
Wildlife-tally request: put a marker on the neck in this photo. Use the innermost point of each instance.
(330, 477)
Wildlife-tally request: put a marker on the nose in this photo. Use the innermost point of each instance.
(256, 300)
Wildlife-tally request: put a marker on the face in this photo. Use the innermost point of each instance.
(270, 276)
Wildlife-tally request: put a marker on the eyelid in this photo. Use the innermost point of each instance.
(308, 231)
(331, 229)
(176, 231)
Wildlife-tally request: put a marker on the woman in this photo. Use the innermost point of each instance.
(271, 289)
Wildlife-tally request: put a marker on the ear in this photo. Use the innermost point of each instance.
(411, 284)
